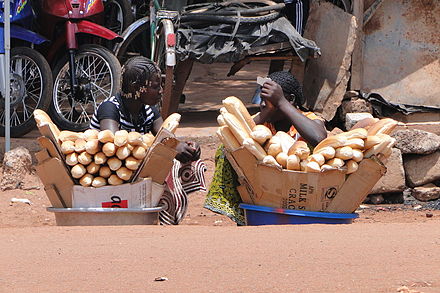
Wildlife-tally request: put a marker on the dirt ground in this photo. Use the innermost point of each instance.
(388, 249)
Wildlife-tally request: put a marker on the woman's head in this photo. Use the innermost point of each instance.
(291, 87)
(141, 80)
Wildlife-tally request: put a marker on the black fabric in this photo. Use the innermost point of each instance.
(108, 110)
(208, 43)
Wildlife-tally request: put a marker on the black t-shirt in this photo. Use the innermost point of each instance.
(113, 108)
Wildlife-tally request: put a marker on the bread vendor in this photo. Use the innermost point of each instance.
(281, 101)
(133, 109)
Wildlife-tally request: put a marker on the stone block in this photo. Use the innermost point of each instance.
(416, 141)
(352, 118)
(394, 178)
(355, 105)
(422, 169)
(433, 127)
(426, 193)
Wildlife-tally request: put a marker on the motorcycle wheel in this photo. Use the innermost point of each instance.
(118, 15)
(30, 89)
(136, 43)
(98, 73)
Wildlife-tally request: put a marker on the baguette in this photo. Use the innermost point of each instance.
(327, 167)
(334, 141)
(93, 168)
(114, 164)
(327, 152)
(80, 145)
(261, 134)
(358, 155)
(85, 158)
(299, 148)
(134, 138)
(355, 133)
(92, 146)
(312, 167)
(355, 143)
(293, 163)
(86, 180)
(318, 158)
(303, 164)
(227, 138)
(273, 146)
(106, 136)
(41, 119)
(254, 148)
(109, 149)
(78, 171)
(105, 171)
(221, 120)
(90, 134)
(282, 159)
(123, 152)
(371, 141)
(286, 141)
(121, 137)
(381, 147)
(115, 180)
(132, 163)
(223, 110)
(336, 163)
(352, 166)
(72, 159)
(344, 153)
(124, 173)
(365, 123)
(139, 152)
(172, 122)
(67, 135)
(236, 107)
(99, 182)
(68, 147)
(147, 140)
(269, 160)
(100, 158)
(236, 127)
(385, 126)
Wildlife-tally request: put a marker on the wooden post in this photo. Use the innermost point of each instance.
(358, 55)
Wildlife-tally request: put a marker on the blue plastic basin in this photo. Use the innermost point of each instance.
(261, 215)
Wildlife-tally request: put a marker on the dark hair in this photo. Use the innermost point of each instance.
(136, 74)
(290, 86)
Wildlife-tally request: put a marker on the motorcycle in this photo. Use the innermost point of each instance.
(30, 75)
(89, 72)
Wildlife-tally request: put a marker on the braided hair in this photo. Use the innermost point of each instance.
(290, 85)
(136, 74)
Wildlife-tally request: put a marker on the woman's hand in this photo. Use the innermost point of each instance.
(273, 93)
(188, 151)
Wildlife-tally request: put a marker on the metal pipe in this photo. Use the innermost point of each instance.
(7, 35)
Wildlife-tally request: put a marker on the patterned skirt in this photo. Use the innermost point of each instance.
(223, 197)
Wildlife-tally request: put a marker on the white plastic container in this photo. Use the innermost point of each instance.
(105, 216)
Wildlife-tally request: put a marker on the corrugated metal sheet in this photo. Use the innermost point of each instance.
(402, 52)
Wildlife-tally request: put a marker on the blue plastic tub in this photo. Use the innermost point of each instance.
(260, 215)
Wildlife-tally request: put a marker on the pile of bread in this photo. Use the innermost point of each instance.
(343, 151)
(98, 158)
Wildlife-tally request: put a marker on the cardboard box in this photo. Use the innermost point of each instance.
(325, 191)
(129, 195)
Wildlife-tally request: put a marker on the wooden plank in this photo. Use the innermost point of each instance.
(358, 57)
(53, 150)
(42, 156)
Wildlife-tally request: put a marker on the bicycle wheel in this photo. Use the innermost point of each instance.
(98, 73)
(118, 15)
(136, 41)
(30, 89)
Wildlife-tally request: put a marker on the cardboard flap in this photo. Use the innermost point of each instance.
(54, 172)
(166, 137)
(42, 156)
(54, 197)
(357, 186)
(48, 132)
(51, 147)
(158, 163)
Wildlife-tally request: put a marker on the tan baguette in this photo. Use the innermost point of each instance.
(327, 152)
(236, 127)
(92, 146)
(114, 164)
(147, 140)
(86, 180)
(109, 149)
(303, 164)
(85, 158)
(261, 134)
(100, 158)
(68, 147)
(41, 119)
(80, 145)
(380, 147)
(236, 107)
(123, 152)
(72, 159)
(293, 163)
(115, 180)
(286, 141)
(355, 143)
(134, 138)
(335, 141)
(106, 136)
(371, 141)
(99, 182)
(344, 153)
(365, 123)
(358, 155)
(282, 159)
(93, 168)
(269, 160)
(121, 137)
(352, 166)
(67, 135)
(312, 167)
(90, 134)
(318, 158)
(256, 149)
(105, 171)
(124, 173)
(355, 133)
(299, 148)
(227, 138)
(273, 146)
(172, 122)
(385, 126)
(221, 120)
(336, 162)
(139, 152)
(327, 167)
(78, 171)
(132, 163)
